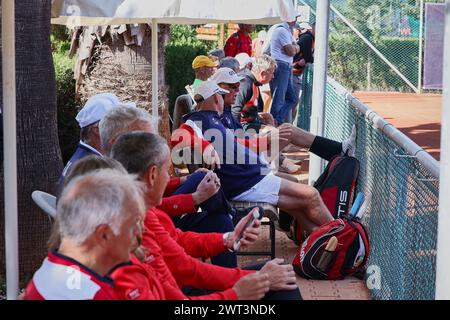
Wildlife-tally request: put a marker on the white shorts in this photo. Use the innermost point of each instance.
(267, 190)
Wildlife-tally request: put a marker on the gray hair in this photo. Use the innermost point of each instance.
(120, 120)
(138, 150)
(229, 62)
(219, 53)
(263, 63)
(102, 197)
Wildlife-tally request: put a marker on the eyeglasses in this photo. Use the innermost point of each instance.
(233, 86)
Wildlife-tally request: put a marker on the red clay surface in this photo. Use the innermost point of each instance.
(416, 115)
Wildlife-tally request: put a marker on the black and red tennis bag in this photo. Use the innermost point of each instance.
(349, 256)
(336, 185)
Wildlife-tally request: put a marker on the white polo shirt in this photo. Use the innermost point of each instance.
(281, 37)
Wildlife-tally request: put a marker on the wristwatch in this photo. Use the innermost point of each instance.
(225, 241)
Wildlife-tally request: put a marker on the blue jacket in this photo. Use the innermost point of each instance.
(83, 150)
(241, 168)
(229, 121)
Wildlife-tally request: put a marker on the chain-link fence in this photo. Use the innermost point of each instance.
(403, 181)
(375, 44)
(304, 107)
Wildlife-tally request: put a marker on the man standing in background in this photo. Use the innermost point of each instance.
(283, 48)
(240, 41)
(305, 39)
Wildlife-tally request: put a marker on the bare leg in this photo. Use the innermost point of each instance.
(287, 176)
(294, 135)
(306, 225)
(304, 203)
(323, 147)
(298, 137)
(302, 138)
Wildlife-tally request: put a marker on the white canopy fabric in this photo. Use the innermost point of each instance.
(110, 12)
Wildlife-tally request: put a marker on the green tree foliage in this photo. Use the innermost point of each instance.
(68, 131)
(182, 48)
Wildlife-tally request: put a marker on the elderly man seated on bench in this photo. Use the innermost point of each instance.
(243, 174)
(99, 219)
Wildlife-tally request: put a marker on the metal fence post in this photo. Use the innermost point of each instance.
(419, 83)
(155, 83)
(319, 81)
(10, 149)
(443, 248)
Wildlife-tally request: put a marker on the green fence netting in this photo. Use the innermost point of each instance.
(304, 107)
(402, 217)
(391, 26)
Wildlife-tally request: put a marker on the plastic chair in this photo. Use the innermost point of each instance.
(45, 201)
(183, 105)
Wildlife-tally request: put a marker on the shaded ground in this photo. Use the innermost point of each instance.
(347, 289)
(416, 115)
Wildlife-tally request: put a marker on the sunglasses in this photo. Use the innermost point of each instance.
(233, 86)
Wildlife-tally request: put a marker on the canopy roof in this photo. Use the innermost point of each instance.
(111, 12)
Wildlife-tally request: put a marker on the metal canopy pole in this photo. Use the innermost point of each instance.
(443, 241)
(155, 68)
(319, 81)
(419, 82)
(10, 149)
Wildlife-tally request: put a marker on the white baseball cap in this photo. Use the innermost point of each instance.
(208, 88)
(304, 25)
(244, 59)
(225, 75)
(287, 11)
(97, 107)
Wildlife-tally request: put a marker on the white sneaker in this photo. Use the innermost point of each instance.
(349, 145)
(287, 166)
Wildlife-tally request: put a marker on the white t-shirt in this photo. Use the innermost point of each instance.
(281, 37)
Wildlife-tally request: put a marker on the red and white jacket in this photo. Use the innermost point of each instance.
(189, 135)
(136, 280)
(62, 278)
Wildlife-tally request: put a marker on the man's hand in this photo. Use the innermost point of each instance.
(205, 170)
(286, 131)
(211, 158)
(184, 178)
(302, 62)
(252, 287)
(267, 118)
(250, 234)
(208, 187)
(282, 276)
(277, 138)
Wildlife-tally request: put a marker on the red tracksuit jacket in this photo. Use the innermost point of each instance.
(186, 270)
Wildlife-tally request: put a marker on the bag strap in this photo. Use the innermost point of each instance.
(236, 34)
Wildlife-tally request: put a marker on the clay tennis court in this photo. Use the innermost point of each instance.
(416, 115)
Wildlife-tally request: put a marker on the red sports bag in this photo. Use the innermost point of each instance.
(348, 256)
(336, 186)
